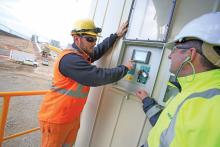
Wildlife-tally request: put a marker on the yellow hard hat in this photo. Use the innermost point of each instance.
(85, 26)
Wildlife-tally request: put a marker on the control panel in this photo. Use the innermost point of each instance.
(140, 72)
(146, 62)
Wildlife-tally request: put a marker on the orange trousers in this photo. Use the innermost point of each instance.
(58, 135)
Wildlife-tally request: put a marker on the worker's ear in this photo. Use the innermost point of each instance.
(192, 53)
(76, 38)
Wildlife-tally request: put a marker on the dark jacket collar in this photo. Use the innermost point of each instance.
(86, 56)
(75, 47)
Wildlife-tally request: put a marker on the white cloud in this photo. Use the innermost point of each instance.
(50, 19)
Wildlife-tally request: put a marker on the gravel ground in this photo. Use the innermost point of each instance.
(23, 110)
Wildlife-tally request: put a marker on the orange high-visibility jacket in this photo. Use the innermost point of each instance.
(66, 99)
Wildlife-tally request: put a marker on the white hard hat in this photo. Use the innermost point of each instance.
(205, 28)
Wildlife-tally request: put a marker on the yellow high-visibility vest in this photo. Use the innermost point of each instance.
(191, 119)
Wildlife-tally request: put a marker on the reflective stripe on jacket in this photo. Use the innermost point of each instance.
(192, 117)
(66, 99)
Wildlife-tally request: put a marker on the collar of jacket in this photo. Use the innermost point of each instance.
(87, 57)
(201, 80)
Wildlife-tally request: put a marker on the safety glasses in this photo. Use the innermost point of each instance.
(179, 46)
(89, 39)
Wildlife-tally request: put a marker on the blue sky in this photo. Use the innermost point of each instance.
(49, 19)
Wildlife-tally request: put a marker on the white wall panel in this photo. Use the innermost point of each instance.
(186, 10)
(130, 124)
(107, 118)
(149, 20)
(100, 11)
(113, 17)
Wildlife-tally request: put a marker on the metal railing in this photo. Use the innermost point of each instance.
(3, 116)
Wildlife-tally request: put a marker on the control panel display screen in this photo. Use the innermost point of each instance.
(141, 56)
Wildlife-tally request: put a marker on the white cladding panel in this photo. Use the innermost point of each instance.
(106, 121)
(149, 20)
(117, 115)
(187, 10)
(130, 123)
(113, 17)
(100, 11)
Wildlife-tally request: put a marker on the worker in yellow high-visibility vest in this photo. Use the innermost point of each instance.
(191, 118)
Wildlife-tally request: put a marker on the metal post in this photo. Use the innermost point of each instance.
(3, 117)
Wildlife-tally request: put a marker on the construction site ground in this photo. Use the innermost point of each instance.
(17, 77)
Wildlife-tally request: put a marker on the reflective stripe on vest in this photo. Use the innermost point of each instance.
(169, 133)
(66, 145)
(154, 110)
(76, 94)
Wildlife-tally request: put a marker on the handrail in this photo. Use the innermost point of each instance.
(3, 117)
(23, 93)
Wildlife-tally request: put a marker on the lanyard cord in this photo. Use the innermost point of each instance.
(181, 67)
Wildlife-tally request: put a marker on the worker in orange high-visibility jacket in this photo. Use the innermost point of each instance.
(59, 115)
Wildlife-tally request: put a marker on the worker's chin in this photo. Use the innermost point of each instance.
(172, 71)
(89, 51)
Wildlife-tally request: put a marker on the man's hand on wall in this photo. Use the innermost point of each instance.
(122, 29)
